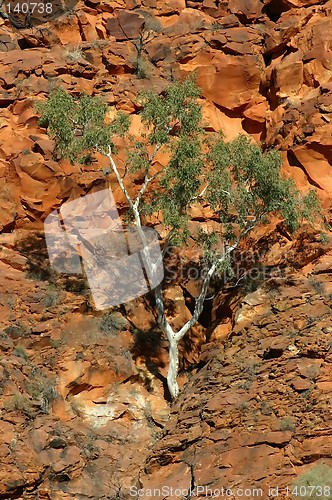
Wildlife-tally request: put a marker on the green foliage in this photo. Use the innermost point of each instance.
(20, 403)
(113, 323)
(287, 424)
(323, 238)
(173, 120)
(177, 106)
(243, 184)
(314, 484)
(21, 352)
(42, 388)
(79, 126)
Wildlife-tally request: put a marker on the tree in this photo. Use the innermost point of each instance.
(241, 184)
(149, 31)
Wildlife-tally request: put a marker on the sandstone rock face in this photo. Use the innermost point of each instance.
(267, 69)
(82, 406)
(248, 417)
(71, 395)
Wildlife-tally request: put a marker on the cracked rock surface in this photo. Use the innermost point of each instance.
(82, 401)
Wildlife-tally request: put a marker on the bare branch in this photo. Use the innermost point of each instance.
(155, 151)
(147, 181)
(119, 179)
(200, 300)
(201, 193)
(165, 326)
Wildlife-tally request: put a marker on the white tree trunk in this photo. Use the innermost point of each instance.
(173, 368)
(172, 337)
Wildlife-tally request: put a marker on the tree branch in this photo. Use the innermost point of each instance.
(201, 298)
(201, 193)
(162, 321)
(119, 179)
(148, 179)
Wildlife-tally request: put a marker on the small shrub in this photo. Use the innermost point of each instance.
(19, 330)
(42, 389)
(306, 394)
(217, 26)
(323, 238)
(21, 352)
(76, 284)
(20, 403)
(320, 477)
(151, 24)
(55, 343)
(252, 369)
(91, 451)
(13, 444)
(143, 67)
(243, 407)
(246, 385)
(53, 296)
(113, 323)
(266, 408)
(317, 285)
(74, 54)
(287, 424)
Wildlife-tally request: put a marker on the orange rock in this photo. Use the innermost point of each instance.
(301, 384)
(257, 112)
(68, 30)
(250, 9)
(125, 25)
(316, 164)
(217, 120)
(87, 24)
(220, 333)
(171, 7)
(288, 75)
(218, 73)
(12, 142)
(228, 414)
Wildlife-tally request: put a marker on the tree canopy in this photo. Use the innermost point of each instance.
(242, 184)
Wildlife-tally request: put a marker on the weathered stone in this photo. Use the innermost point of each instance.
(127, 25)
(83, 409)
